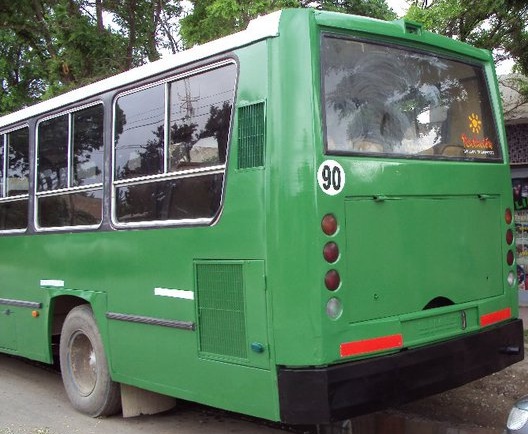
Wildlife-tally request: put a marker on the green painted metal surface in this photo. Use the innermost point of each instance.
(409, 231)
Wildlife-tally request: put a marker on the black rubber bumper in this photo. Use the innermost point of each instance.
(321, 395)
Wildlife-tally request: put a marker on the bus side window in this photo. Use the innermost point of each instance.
(139, 133)
(2, 169)
(182, 179)
(200, 113)
(53, 154)
(14, 174)
(77, 134)
(17, 180)
(87, 138)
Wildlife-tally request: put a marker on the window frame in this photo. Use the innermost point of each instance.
(412, 48)
(70, 175)
(5, 163)
(174, 175)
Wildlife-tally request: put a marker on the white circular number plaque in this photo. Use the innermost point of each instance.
(331, 177)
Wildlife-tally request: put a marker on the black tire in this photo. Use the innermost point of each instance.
(84, 367)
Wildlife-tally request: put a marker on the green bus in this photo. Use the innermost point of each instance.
(305, 221)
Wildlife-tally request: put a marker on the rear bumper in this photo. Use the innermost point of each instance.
(321, 395)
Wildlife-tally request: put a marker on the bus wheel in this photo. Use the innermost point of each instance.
(84, 368)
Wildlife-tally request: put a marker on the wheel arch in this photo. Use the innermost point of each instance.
(62, 302)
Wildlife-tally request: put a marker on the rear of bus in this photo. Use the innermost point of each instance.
(393, 233)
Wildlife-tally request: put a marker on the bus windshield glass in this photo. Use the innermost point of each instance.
(390, 101)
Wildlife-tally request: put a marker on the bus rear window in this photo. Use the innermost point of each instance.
(386, 100)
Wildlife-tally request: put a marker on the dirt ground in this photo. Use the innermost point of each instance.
(485, 403)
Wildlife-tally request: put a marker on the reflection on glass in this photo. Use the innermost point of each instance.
(14, 168)
(387, 100)
(2, 138)
(14, 215)
(200, 112)
(139, 133)
(53, 154)
(87, 127)
(71, 209)
(177, 199)
(18, 162)
(200, 108)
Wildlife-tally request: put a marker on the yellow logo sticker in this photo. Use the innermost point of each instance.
(475, 145)
(475, 124)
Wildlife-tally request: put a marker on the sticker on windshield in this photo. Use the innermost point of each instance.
(331, 177)
(476, 146)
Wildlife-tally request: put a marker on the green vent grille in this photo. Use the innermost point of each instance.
(251, 136)
(221, 310)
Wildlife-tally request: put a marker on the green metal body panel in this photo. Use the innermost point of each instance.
(436, 222)
(409, 231)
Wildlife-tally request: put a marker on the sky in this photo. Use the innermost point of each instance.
(398, 6)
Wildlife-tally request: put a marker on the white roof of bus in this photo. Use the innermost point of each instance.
(258, 29)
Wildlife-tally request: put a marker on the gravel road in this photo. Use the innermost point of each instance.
(33, 401)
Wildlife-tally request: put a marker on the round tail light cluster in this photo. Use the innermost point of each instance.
(331, 252)
(508, 216)
(329, 227)
(332, 280)
(329, 224)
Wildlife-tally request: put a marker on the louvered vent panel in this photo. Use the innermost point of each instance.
(222, 320)
(251, 130)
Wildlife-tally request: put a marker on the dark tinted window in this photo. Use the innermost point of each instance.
(200, 113)
(2, 146)
(13, 214)
(382, 99)
(18, 162)
(88, 145)
(71, 154)
(71, 209)
(176, 199)
(14, 179)
(200, 109)
(53, 154)
(139, 133)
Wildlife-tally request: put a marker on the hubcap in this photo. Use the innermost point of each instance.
(83, 362)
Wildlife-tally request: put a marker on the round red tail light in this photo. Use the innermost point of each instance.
(329, 224)
(508, 216)
(332, 280)
(331, 252)
(509, 236)
(510, 257)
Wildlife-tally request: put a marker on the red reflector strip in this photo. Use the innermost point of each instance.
(495, 317)
(371, 345)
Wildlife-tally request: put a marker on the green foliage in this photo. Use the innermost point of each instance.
(19, 71)
(50, 46)
(498, 25)
(212, 19)
(367, 8)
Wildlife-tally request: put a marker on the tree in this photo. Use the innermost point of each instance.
(147, 25)
(497, 25)
(50, 46)
(211, 19)
(367, 8)
(19, 73)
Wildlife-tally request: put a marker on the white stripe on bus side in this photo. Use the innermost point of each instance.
(174, 293)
